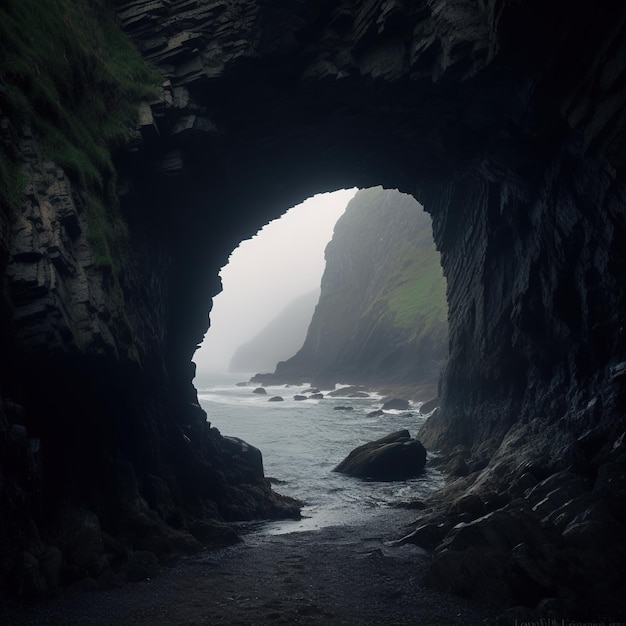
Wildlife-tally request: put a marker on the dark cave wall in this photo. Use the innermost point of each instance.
(535, 305)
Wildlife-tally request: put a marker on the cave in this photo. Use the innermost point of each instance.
(503, 119)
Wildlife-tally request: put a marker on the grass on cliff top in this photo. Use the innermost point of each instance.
(416, 293)
(71, 73)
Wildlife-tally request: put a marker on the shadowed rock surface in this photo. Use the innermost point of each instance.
(394, 457)
(504, 119)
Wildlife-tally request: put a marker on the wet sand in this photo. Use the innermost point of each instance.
(336, 575)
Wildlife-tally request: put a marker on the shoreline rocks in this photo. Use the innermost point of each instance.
(394, 457)
(397, 404)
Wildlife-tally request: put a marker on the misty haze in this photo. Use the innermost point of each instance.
(283, 261)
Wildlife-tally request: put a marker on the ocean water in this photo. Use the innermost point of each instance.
(302, 441)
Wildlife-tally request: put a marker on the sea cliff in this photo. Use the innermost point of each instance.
(382, 317)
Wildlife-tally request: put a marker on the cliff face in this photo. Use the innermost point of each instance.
(382, 316)
(504, 119)
(281, 338)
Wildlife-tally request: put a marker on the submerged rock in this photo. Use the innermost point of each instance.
(276, 399)
(260, 390)
(394, 457)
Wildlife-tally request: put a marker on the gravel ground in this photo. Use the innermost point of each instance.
(337, 575)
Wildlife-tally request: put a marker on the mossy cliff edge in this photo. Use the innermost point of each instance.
(101, 467)
(505, 119)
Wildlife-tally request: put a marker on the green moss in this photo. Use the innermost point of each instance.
(415, 294)
(73, 75)
(108, 237)
(420, 291)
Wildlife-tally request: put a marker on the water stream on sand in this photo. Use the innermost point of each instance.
(302, 441)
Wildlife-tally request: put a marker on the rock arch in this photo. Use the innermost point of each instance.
(505, 126)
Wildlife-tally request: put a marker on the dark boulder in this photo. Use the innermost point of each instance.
(397, 404)
(394, 457)
(276, 399)
(430, 406)
(343, 408)
(426, 535)
(299, 398)
(376, 413)
(316, 396)
(260, 390)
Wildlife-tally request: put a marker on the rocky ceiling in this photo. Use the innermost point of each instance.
(505, 119)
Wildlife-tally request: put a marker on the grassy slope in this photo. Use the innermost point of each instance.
(413, 297)
(383, 294)
(417, 291)
(69, 72)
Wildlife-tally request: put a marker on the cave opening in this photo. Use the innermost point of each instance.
(265, 274)
(381, 272)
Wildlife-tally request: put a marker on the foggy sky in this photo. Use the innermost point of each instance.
(282, 261)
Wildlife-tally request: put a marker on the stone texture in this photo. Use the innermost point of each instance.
(394, 457)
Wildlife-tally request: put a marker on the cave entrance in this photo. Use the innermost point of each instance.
(304, 426)
(389, 274)
(276, 272)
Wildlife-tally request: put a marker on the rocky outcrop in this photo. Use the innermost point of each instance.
(397, 404)
(547, 547)
(394, 457)
(279, 340)
(381, 317)
(504, 119)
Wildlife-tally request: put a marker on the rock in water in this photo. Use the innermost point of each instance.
(260, 390)
(276, 399)
(396, 403)
(429, 406)
(394, 457)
